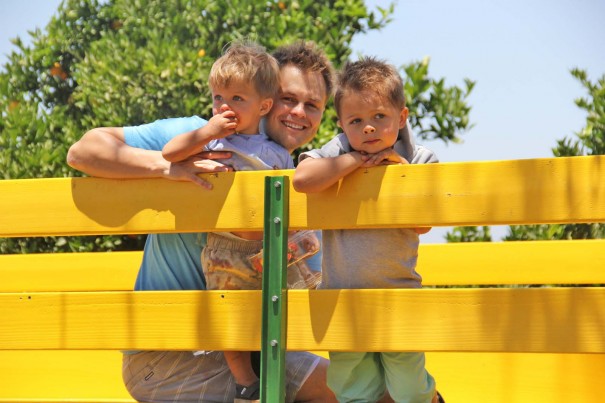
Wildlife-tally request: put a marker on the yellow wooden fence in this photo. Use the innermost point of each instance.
(65, 316)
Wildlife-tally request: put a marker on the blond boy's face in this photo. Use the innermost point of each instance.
(370, 122)
(245, 102)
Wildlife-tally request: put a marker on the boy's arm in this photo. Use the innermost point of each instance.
(187, 144)
(190, 143)
(317, 174)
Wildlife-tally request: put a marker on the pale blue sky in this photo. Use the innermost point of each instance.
(518, 51)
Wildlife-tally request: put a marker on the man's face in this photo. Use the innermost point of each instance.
(297, 108)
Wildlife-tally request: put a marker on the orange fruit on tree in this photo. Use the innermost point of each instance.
(57, 71)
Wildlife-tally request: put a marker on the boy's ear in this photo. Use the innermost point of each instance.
(339, 123)
(265, 106)
(403, 117)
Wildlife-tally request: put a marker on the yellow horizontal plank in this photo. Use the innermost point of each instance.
(551, 190)
(507, 320)
(95, 376)
(539, 262)
(62, 376)
(114, 271)
(517, 378)
(527, 262)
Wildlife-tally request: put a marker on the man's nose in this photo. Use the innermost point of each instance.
(368, 129)
(299, 110)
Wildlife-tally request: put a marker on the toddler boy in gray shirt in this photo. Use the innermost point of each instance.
(370, 104)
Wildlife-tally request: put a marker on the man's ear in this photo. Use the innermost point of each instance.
(265, 106)
(403, 117)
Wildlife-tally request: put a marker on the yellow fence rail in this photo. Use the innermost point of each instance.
(503, 344)
(484, 263)
(556, 190)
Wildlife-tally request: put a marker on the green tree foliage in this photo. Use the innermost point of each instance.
(469, 234)
(436, 111)
(127, 62)
(590, 140)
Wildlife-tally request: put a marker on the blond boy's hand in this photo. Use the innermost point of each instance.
(222, 124)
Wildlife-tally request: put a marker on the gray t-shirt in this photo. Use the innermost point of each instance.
(371, 258)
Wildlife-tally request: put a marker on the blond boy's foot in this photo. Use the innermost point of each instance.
(247, 394)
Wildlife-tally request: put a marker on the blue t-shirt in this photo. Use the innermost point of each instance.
(170, 261)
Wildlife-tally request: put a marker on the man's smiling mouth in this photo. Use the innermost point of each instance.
(293, 125)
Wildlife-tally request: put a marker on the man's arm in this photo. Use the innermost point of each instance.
(103, 152)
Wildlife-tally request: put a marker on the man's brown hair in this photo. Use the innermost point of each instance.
(307, 56)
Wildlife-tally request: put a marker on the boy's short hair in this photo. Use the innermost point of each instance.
(307, 56)
(369, 74)
(246, 62)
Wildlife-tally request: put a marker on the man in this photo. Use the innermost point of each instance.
(172, 261)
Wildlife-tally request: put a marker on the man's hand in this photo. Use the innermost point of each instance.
(188, 170)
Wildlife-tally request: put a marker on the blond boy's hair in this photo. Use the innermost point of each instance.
(246, 62)
(369, 74)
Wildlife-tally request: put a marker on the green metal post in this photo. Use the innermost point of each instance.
(273, 342)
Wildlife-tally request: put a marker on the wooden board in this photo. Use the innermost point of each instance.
(95, 376)
(553, 190)
(539, 262)
(562, 320)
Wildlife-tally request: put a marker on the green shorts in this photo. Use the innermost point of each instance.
(364, 377)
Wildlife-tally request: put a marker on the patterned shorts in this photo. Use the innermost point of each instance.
(181, 376)
(236, 264)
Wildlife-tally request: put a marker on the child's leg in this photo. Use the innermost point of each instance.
(407, 379)
(241, 367)
(226, 266)
(356, 377)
